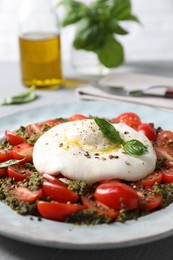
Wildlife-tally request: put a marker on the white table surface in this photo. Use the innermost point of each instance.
(14, 250)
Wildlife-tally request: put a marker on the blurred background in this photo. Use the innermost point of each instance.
(151, 41)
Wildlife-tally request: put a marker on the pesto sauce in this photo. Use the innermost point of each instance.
(87, 217)
(21, 131)
(24, 208)
(5, 144)
(81, 187)
(21, 207)
(35, 180)
(126, 214)
(33, 138)
(167, 192)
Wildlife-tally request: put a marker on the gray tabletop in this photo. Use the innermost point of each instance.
(14, 250)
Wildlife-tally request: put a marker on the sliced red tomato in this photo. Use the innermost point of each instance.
(166, 154)
(52, 122)
(147, 199)
(6, 154)
(57, 211)
(19, 172)
(148, 130)
(54, 180)
(14, 138)
(167, 175)
(22, 151)
(58, 192)
(77, 117)
(115, 194)
(98, 207)
(131, 119)
(3, 172)
(152, 178)
(24, 194)
(165, 138)
(36, 128)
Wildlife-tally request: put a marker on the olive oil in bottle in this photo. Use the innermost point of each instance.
(40, 56)
(39, 43)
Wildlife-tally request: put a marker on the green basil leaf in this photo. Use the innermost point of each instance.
(9, 163)
(114, 27)
(132, 18)
(96, 26)
(108, 131)
(121, 9)
(134, 148)
(89, 36)
(75, 11)
(100, 11)
(112, 53)
(21, 98)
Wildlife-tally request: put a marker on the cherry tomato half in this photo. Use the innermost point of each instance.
(165, 138)
(36, 128)
(3, 172)
(55, 180)
(166, 154)
(6, 154)
(131, 119)
(24, 194)
(77, 117)
(115, 194)
(148, 130)
(152, 178)
(167, 175)
(52, 122)
(19, 172)
(57, 211)
(98, 207)
(22, 151)
(147, 199)
(13, 138)
(58, 192)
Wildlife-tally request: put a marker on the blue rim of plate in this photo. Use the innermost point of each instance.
(49, 233)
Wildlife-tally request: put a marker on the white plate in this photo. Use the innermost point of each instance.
(61, 235)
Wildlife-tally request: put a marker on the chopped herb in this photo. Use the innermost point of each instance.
(158, 130)
(80, 187)
(21, 207)
(5, 144)
(167, 192)
(21, 131)
(33, 138)
(160, 163)
(87, 217)
(46, 128)
(125, 214)
(35, 180)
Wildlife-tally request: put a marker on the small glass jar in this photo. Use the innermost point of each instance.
(40, 47)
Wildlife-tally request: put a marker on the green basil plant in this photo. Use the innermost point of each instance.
(97, 25)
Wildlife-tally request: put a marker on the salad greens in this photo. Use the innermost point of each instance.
(97, 25)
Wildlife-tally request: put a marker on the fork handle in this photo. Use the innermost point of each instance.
(169, 93)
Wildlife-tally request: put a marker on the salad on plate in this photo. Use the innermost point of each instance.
(87, 170)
